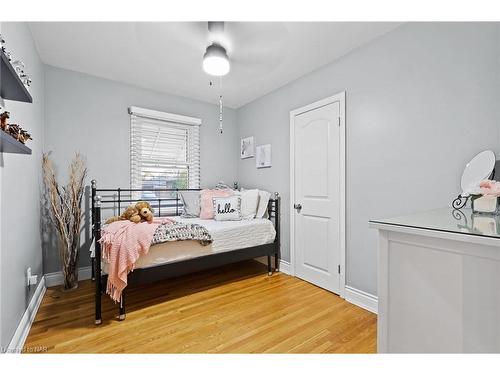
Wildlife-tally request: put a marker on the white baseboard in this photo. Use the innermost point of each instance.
(355, 296)
(362, 299)
(24, 326)
(284, 265)
(56, 278)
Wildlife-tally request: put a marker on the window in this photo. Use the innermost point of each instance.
(164, 153)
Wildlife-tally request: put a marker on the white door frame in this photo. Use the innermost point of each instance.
(340, 97)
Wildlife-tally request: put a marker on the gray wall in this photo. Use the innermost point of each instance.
(421, 101)
(89, 115)
(20, 179)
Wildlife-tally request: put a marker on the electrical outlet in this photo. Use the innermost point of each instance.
(31, 279)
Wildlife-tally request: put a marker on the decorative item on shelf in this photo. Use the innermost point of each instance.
(4, 50)
(247, 148)
(24, 136)
(25, 79)
(3, 120)
(13, 130)
(64, 204)
(18, 66)
(481, 167)
(263, 159)
(2, 43)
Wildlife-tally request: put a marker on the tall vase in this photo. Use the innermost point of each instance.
(71, 278)
(70, 266)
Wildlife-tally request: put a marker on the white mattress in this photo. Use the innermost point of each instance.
(226, 236)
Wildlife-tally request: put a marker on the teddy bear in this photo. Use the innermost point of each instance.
(145, 211)
(131, 213)
(3, 120)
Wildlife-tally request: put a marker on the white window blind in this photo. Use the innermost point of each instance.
(164, 152)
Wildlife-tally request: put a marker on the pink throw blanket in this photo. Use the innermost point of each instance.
(123, 242)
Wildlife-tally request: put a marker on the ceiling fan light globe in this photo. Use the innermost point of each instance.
(215, 61)
(216, 66)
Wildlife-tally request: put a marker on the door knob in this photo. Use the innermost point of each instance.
(297, 206)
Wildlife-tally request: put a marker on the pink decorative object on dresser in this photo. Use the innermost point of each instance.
(490, 188)
(206, 201)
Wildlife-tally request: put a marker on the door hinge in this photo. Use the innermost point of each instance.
(339, 268)
(339, 121)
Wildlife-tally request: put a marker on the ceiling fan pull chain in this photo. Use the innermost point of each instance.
(220, 114)
(220, 106)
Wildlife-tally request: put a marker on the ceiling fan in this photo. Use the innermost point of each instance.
(215, 59)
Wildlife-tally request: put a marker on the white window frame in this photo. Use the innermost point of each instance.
(161, 116)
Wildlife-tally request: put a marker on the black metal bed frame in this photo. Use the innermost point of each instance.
(115, 197)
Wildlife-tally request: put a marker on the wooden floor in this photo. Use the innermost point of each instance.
(233, 309)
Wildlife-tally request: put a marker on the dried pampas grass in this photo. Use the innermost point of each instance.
(66, 213)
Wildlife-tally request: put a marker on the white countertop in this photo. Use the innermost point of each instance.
(446, 220)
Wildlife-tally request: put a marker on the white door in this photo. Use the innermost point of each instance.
(317, 195)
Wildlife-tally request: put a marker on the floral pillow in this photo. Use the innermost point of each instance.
(228, 208)
(206, 201)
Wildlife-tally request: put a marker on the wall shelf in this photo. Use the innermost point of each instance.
(11, 145)
(11, 86)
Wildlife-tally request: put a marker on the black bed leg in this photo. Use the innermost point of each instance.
(276, 262)
(122, 314)
(98, 318)
(92, 269)
(269, 269)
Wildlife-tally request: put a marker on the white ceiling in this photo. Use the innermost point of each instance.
(167, 56)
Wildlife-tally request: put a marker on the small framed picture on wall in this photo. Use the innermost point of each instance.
(247, 148)
(263, 158)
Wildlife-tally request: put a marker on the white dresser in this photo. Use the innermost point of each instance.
(439, 283)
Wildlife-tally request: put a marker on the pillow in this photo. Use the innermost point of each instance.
(262, 206)
(191, 202)
(228, 208)
(206, 203)
(249, 202)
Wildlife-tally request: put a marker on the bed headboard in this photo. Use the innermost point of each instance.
(114, 200)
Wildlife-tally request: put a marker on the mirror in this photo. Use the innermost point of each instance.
(479, 168)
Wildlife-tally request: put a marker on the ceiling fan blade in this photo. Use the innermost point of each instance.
(194, 35)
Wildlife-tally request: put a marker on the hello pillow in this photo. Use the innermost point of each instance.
(206, 201)
(228, 208)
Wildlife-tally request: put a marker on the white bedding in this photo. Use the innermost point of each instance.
(226, 236)
(231, 235)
